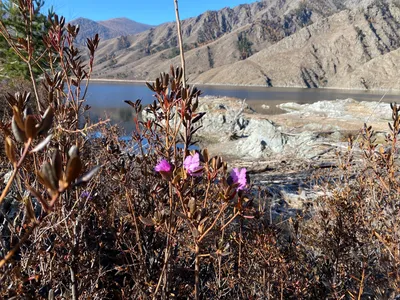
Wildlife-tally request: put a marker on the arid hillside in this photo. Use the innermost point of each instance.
(351, 49)
(308, 43)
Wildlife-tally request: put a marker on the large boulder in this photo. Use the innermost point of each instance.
(236, 130)
(260, 138)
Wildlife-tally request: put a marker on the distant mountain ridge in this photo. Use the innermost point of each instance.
(108, 29)
(125, 26)
(308, 43)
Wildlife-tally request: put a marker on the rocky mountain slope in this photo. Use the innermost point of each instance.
(307, 43)
(350, 49)
(108, 29)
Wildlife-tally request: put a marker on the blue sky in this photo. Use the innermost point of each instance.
(151, 12)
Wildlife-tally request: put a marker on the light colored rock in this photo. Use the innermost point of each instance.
(348, 109)
(259, 139)
(332, 109)
(223, 116)
(243, 133)
(7, 176)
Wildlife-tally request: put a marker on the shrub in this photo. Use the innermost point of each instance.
(357, 226)
(244, 45)
(78, 230)
(174, 52)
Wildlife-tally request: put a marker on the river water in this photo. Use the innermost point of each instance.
(107, 98)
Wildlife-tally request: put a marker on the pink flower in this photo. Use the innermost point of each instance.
(192, 165)
(239, 177)
(163, 166)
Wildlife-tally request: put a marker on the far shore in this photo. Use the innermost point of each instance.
(395, 91)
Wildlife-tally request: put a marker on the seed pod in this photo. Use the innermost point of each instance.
(157, 85)
(205, 155)
(150, 86)
(86, 177)
(195, 105)
(165, 81)
(219, 163)
(27, 112)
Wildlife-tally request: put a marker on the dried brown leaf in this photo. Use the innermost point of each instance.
(147, 221)
(74, 167)
(42, 144)
(30, 126)
(18, 118)
(57, 164)
(10, 150)
(30, 213)
(17, 132)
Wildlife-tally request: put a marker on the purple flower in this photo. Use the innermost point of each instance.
(192, 165)
(239, 177)
(86, 195)
(163, 166)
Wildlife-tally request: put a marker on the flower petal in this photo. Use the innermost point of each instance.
(163, 166)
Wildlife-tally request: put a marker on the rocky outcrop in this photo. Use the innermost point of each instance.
(343, 110)
(237, 129)
(233, 129)
(259, 138)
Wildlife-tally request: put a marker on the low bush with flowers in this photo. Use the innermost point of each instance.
(85, 218)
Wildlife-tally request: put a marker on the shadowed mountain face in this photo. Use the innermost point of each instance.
(307, 43)
(108, 29)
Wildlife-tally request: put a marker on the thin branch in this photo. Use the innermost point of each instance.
(86, 128)
(34, 86)
(178, 24)
(213, 224)
(231, 219)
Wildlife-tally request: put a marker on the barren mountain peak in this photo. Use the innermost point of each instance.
(108, 29)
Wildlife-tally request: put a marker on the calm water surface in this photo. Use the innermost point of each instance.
(108, 98)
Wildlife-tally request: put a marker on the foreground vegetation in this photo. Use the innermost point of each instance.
(102, 218)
